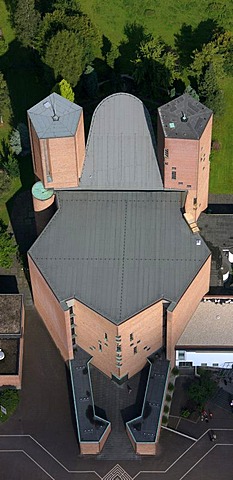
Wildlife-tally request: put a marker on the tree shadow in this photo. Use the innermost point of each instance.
(190, 39)
(135, 34)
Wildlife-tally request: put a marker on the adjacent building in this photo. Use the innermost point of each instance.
(11, 339)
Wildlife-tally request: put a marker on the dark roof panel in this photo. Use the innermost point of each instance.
(184, 117)
(118, 252)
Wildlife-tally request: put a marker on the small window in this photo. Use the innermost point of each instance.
(174, 175)
(204, 364)
(131, 344)
(180, 183)
(185, 364)
(118, 364)
(73, 342)
(131, 337)
(100, 347)
(215, 364)
(195, 201)
(148, 348)
(106, 337)
(118, 348)
(189, 186)
(135, 350)
(181, 355)
(91, 348)
(203, 168)
(138, 341)
(166, 153)
(173, 168)
(106, 344)
(145, 348)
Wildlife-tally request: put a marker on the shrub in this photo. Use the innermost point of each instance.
(175, 371)
(166, 409)
(168, 397)
(185, 413)
(164, 419)
(9, 399)
(170, 387)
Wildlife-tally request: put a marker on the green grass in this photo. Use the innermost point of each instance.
(159, 18)
(166, 19)
(221, 170)
(9, 399)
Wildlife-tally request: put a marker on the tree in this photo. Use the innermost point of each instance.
(64, 89)
(202, 389)
(210, 92)
(65, 55)
(5, 105)
(15, 142)
(26, 20)
(214, 53)
(192, 92)
(90, 81)
(7, 247)
(156, 65)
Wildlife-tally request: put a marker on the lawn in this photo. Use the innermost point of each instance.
(166, 19)
(221, 173)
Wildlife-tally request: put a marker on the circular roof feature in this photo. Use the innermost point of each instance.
(40, 192)
(2, 355)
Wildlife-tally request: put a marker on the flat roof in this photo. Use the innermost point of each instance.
(210, 326)
(120, 150)
(55, 117)
(90, 427)
(184, 117)
(10, 314)
(144, 428)
(10, 363)
(118, 252)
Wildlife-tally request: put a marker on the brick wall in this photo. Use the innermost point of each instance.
(147, 330)
(97, 332)
(56, 320)
(36, 153)
(180, 316)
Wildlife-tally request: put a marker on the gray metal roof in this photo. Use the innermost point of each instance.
(120, 151)
(118, 252)
(145, 427)
(55, 117)
(197, 117)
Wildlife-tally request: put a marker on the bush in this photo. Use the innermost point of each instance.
(9, 399)
(175, 371)
(202, 388)
(168, 397)
(170, 387)
(185, 413)
(164, 419)
(166, 409)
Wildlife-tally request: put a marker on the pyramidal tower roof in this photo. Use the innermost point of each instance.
(184, 117)
(55, 117)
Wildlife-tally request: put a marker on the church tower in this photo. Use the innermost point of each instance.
(184, 143)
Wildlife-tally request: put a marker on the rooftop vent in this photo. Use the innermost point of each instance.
(47, 104)
(183, 117)
(2, 354)
(171, 125)
(198, 241)
(55, 118)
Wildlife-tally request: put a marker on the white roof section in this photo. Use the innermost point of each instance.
(55, 117)
(210, 326)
